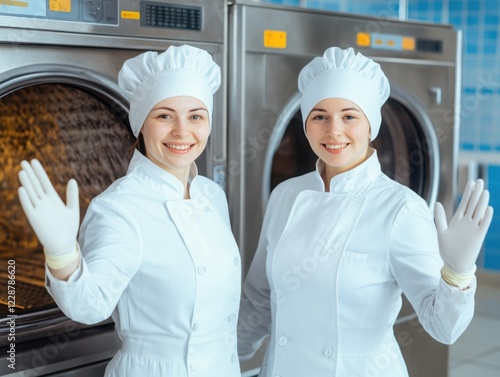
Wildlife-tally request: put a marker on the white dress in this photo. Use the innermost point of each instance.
(167, 270)
(327, 277)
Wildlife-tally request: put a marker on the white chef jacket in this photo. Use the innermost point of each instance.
(328, 273)
(167, 270)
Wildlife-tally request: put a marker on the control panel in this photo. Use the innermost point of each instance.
(396, 42)
(91, 11)
(154, 14)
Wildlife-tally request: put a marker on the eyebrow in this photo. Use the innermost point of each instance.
(173, 110)
(346, 109)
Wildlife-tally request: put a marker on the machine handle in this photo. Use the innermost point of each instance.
(437, 91)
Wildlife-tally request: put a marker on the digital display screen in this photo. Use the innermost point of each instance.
(429, 45)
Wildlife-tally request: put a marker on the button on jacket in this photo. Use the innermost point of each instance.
(167, 270)
(329, 270)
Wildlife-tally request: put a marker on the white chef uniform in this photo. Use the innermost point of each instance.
(326, 280)
(167, 270)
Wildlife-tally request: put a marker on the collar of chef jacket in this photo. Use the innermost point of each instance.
(160, 180)
(359, 177)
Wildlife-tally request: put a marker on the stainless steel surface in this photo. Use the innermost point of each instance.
(66, 352)
(115, 18)
(420, 124)
(78, 49)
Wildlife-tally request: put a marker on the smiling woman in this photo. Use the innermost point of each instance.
(338, 133)
(340, 244)
(155, 250)
(175, 133)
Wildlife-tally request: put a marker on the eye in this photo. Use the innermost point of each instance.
(197, 117)
(350, 117)
(164, 116)
(318, 117)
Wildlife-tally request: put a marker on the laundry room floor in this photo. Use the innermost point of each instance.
(477, 351)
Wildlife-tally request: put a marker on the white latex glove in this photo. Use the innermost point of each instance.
(460, 242)
(54, 223)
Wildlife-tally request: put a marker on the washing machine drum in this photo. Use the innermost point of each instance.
(75, 133)
(401, 146)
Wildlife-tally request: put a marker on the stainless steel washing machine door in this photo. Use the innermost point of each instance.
(406, 145)
(76, 124)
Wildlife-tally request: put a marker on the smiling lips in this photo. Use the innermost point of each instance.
(179, 148)
(335, 148)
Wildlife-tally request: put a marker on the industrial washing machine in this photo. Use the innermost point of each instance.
(417, 143)
(60, 103)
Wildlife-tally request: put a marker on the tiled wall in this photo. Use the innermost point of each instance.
(479, 21)
(480, 103)
(491, 252)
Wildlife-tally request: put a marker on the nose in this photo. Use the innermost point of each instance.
(335, 127)
(181, 128)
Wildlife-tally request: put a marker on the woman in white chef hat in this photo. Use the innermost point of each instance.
(157, 252)
(340, 244)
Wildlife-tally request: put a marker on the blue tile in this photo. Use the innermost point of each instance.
(486, 119)
(485, 147)
(473, 5)
(492, 239)
(473, 20)
(491, 35)
(437, 6)
(491, 248)
(487, 90)
(422, 6)
(455, 5)
(491, 5)
(456, 20)
(490, 19)
(490, 49)
(472, 36)
(491, 263)
(468, 147)
(492, 245)
(471, 49)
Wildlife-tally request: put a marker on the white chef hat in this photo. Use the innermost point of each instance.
(179, 71)
(345, 74)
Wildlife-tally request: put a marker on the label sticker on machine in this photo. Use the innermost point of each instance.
(130, 15)
(60, 5)
(23, 7)
(386, 41)
(275, 39)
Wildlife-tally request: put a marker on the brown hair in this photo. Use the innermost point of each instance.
(139, 144)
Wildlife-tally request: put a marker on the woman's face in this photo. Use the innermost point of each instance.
(175, 133)
(339, 134)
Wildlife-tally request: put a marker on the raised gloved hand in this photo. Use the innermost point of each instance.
(460, 241)
(54, 223)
